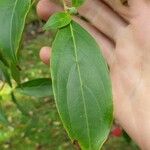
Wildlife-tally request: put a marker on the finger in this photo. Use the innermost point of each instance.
(102, 17)
(45, 8)
(137, 4)
(117, 6)
(106, 45)
(45, 54)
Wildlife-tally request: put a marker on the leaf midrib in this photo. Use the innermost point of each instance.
(60, 20)
(11, 24)
(81, 83)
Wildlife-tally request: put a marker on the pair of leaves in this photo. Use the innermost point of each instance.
(82, 87)
(61, 19)
(12, 21)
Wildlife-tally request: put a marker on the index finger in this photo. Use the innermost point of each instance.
(45, 9)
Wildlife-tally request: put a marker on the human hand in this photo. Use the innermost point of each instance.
(124, 38)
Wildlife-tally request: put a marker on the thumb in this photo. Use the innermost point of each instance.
(45, 54)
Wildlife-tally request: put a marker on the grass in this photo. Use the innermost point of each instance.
(39, 126)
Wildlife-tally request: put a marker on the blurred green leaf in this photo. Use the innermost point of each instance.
(12, 22)
(41, 87)
(77, 3)
(20, 107)
(11, 30)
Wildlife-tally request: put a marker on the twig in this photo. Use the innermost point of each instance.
(64, 4)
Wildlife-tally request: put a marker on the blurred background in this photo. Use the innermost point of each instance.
(34, 124)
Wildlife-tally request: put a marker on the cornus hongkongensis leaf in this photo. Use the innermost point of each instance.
(58, 20)
(81, 87)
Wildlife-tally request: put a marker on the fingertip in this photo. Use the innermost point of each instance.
(45, 54)
(45, 9)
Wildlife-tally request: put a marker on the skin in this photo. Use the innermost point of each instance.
(123, 32)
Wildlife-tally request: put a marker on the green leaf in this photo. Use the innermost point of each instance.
(82, 87)
(77, 3)
(39, 88)
(58, 20)
(12, 21)
(5, 76)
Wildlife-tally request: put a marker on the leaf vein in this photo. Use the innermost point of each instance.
(11, 26)
(81, 83)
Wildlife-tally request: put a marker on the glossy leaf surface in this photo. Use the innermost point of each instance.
(82, 87)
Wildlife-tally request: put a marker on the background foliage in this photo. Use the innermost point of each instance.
(37, 125)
